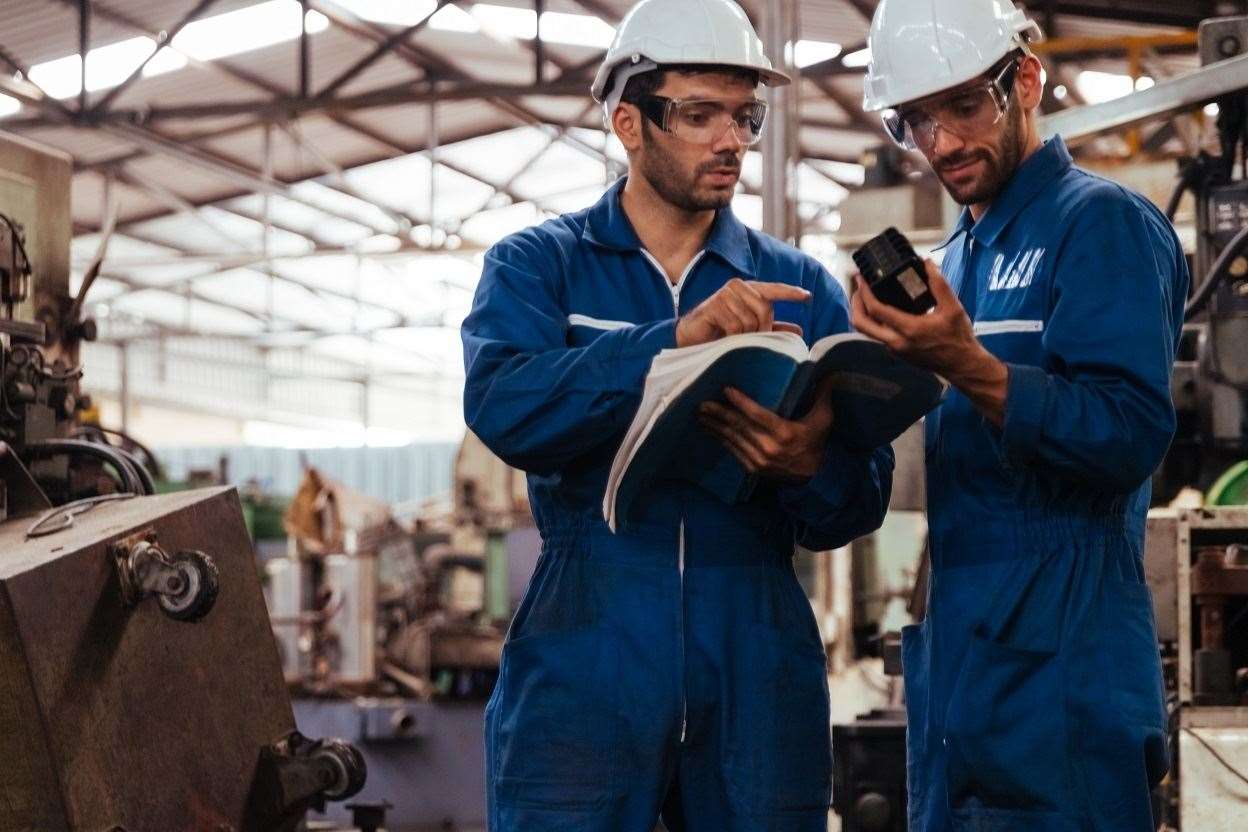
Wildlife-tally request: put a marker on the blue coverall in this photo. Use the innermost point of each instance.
(676, 666)
(1034, 687)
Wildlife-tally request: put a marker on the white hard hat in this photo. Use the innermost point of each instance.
(921, 47)
(685, 32)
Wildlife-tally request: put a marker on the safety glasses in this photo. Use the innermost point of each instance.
(966, 112)
(705, 120)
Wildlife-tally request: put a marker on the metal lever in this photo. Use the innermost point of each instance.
(185, 584)
(296, 773)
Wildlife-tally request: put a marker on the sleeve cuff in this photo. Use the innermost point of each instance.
(651, 339)
(1025, 401)
(831, 488)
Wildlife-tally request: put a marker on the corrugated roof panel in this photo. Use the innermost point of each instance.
(833, 21)
(177, 311)
(87, 200)
(566, 109)
(408, 124)
(303, 218)
(192, 182)
(83, 145)
(561, 168)
(216, 231)
(292, 161)
(339, 202)
(404, 184)
(255, 292)
(499, 156)
(192, 85)
(488, 227)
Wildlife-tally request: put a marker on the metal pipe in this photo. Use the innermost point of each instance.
(539, 50)
(84, 45)
(305, 54)
(1166, 98)
(779, 140)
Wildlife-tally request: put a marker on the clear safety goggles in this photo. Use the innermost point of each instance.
(705, 120)
(966, 112)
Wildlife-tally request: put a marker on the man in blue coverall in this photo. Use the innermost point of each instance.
(674, 668)
(1033, 688)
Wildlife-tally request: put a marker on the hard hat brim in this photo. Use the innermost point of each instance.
(766, 75)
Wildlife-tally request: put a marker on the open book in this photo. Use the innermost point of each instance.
(876, 396)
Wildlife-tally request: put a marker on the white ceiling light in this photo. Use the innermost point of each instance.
(577, 29)
(857, 59)
(506, 20)
(9, 106)
(394, 12)
(1096, 87)
(254, 27)
(107, 66)
(557, 27)
(454, 19)
(807, 52)
(1060, 92)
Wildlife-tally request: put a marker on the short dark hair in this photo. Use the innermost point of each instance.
(648, 83)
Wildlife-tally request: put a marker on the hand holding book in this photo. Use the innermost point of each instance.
(873, 395)
(766, 444)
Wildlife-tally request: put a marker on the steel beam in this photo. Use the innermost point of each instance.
(1186, 15)
(331, 168)
(1166, 98)
(379, 51)
(163, 38)
(84, 48)
(225, 170)
(780, 142)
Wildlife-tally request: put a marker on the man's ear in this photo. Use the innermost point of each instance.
(1030, 82)
(626, 122)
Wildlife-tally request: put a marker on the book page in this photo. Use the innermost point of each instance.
(672, 372)
(825, 345)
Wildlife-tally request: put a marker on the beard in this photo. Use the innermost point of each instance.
(678, 186)
(999, 166)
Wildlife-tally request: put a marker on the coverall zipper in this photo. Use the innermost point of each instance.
(680, 552)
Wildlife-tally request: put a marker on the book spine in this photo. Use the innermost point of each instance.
(796, 393)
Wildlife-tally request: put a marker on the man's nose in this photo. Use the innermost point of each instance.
(730, 141)
(945, 142)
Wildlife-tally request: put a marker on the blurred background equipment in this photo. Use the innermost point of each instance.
(141, 689)
(390, 623)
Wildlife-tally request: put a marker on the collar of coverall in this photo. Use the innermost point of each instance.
(608, 226)
(1045, 165)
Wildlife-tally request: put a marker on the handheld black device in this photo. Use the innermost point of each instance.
(894, 272)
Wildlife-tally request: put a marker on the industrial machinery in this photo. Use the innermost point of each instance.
(1197, 566)
(141, 690)
(390, 624)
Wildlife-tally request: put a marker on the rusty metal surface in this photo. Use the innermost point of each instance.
(22, 495)
(150, 724)
(1213, 577)
(35, 191)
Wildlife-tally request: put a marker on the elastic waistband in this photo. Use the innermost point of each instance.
(976, 540)
(704, 544)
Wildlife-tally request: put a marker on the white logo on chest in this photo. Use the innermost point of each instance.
(1018, 274)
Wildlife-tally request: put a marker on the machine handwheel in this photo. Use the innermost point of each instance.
(348, 767)
(200, 584)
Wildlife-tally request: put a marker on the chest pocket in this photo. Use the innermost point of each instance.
(1012, 305)
(583, 330)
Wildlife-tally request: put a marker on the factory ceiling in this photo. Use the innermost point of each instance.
(322, 176)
